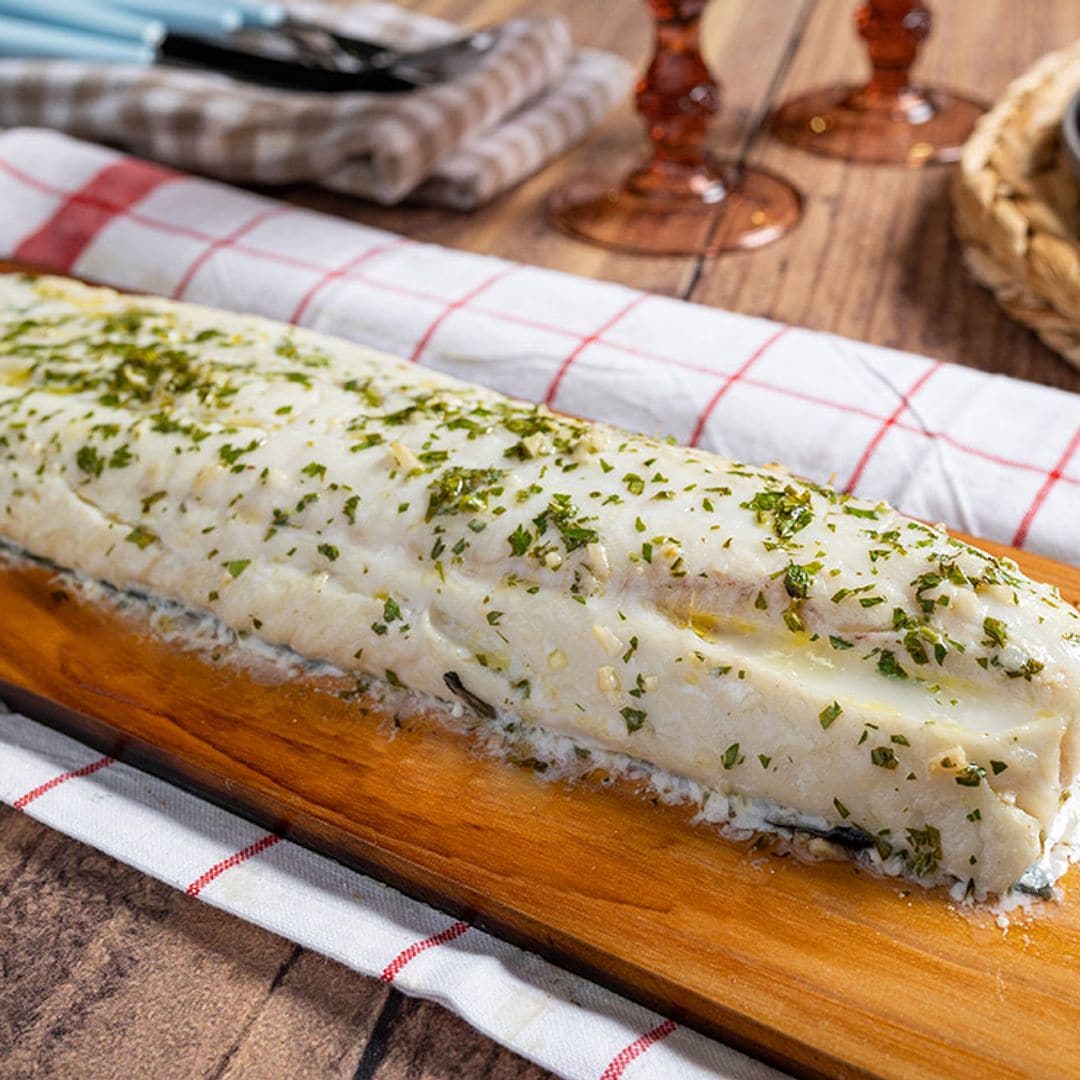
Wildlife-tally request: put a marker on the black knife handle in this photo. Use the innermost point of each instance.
(271, 71)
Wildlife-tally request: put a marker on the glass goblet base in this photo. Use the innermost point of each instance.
(916, 127)
(668, 208)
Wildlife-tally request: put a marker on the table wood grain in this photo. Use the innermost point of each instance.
(104, 972)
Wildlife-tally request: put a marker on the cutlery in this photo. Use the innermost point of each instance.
(249, 39)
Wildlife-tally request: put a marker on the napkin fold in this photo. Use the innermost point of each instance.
(992, 455)
(457, 144)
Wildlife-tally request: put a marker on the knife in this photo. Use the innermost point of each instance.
(275, 50)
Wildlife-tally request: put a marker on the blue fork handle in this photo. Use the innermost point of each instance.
(259, 13)
(86, 15)
(205, 18)
(21, 38)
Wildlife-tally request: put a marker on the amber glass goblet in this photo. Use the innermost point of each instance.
(680, 201)
(890, 119)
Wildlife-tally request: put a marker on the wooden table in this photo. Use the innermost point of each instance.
(104, 972)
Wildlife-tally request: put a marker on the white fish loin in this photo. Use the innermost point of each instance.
(763, 636)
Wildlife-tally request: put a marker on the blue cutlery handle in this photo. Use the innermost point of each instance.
(21, 38)
(260, 13)
(84, 15)
(202, 18)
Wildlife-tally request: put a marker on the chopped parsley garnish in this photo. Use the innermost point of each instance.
(230, 454)
(889, 667)
(996, 632)
(970, 775)
(788, 511)
(89, 461)
(149, 501)
(572, 527)
(519, 540)
(634, 718)
(885, 757)
(237, 566)
(799, 579)
(140, 537)
(462, 491)
(121, 457)
(925, 850)
(829, 714)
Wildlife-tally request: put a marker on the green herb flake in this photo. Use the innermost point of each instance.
(829, 714)
(121, 458)
(884, 757)
(151, 499)
(799, 579)
(731, 756)
(925, 851)
(237, 566)
(996, 633)
(519, 540)
(889, 667)
(970, 775)
(788, 511)
(634, 718)
(89, 461)
(141, 538)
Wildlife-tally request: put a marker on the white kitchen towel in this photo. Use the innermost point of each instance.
(567, 1024)
(457, 144)
(993, 456)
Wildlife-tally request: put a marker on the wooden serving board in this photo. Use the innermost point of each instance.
(819, 968)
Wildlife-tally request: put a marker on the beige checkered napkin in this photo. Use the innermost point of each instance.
(456, 144)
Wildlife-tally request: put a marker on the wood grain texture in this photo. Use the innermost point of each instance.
(107, 973)
(800, 964)
(873, 257)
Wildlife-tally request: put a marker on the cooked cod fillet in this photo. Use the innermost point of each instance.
(774, 640)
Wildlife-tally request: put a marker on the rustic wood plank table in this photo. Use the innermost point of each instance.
(104, 972)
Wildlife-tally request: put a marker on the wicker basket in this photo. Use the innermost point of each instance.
(1017, 206)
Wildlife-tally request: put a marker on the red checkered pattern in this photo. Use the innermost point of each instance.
(985, 454)
(570, 1026)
